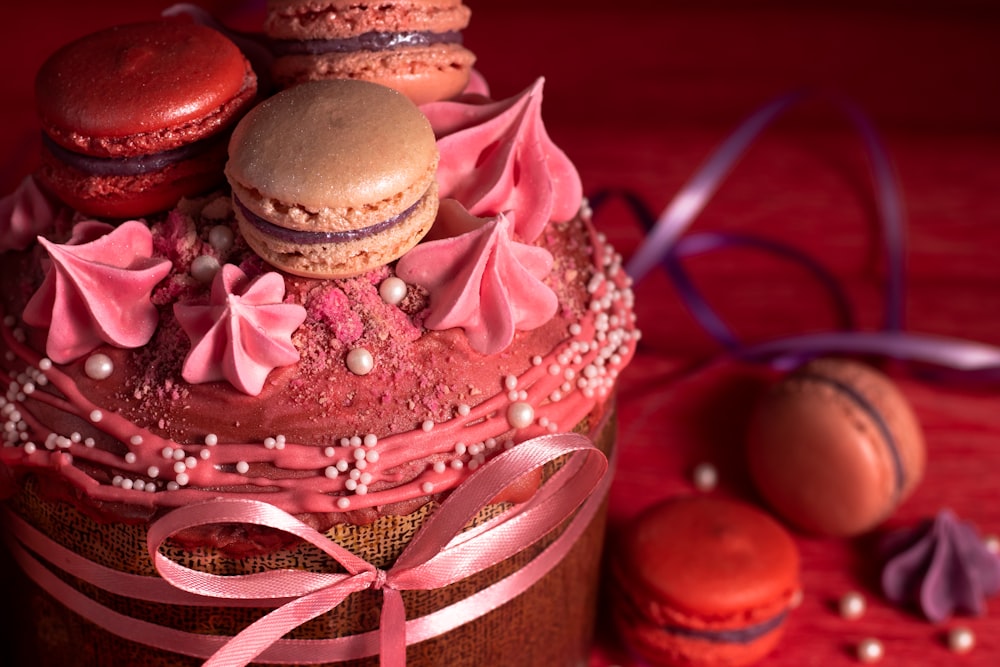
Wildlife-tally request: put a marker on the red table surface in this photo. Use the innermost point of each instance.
(638, 96)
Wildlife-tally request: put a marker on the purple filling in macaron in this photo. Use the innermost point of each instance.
(311, 238)
(732, 636)
(128, 166)
(369, 41)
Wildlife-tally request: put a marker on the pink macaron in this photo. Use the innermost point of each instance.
(834, 447)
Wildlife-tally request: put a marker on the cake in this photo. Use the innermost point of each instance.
(428, 437)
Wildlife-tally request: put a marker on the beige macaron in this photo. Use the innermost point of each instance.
(835, 447)
(333, 178)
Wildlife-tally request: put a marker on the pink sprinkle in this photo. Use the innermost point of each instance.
(333, 308)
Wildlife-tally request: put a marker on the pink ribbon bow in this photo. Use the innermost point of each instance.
(442, 552)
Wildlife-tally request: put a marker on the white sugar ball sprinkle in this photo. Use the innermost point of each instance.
(392, 290)
(870, 650)
(99, 367)
(705, 476)
(204, 268)
(220, 237)
(852, 605)
(360, 361)
(343, 503)
(520, 414)
(242, 467)
(961, 640)
(211, 440)
(96, 416)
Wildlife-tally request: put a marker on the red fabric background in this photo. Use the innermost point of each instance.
(638, 96)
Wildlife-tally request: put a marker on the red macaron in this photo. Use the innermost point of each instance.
(136, 116)
(703, 581)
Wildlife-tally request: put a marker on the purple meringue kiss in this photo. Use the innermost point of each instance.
(942, 566)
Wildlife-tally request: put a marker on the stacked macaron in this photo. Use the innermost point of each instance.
(136, 116)
(703, 581)
(333, 178)
(414, 46)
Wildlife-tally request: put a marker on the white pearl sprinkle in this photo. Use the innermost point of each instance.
(204, 268)
(182, 479)
(961, 640)
(221, 238)
(360, 361)
(426, 487)
(343, 502)
(705, 477)
(130, 457)
(392, 290)
(427, 425)
(439, 466)
(992, 543)
(331, 472)
(96, 416)
(153, 471)
(870, 650)
(520, 414)
(370, 440)
(242, 467)
(135, 440)
(852, 605)
(211, 440)
(99, 367)
(510, 382)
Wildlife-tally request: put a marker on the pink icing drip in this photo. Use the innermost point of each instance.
(497, 157)
(73, 299)
(483, 282)
(24, 214)
(243, 333)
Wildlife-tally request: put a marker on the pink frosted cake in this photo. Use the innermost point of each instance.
(178, 411)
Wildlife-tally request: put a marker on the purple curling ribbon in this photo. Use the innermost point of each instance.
(666, 245)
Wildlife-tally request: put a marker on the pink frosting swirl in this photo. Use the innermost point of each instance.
(97, 290)
(243, 333)
(24, 214)
(497, 157)
(484, 282)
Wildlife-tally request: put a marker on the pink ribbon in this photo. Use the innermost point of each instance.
(442, 552)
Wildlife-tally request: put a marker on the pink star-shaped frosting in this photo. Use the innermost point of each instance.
(244, 332)
(484, 282)
(497, 157)
(24, 214)
(97, 290)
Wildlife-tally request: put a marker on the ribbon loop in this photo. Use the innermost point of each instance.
(438, 555)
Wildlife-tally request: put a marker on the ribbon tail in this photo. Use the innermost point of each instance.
(392, 629)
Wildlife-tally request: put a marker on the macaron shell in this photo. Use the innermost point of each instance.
(821, 459)
(750, 577)
(332, 156)
(307, 19)
(343, 259)
(137, 195)
(659, 647)
(423, 74)
(141, 88)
